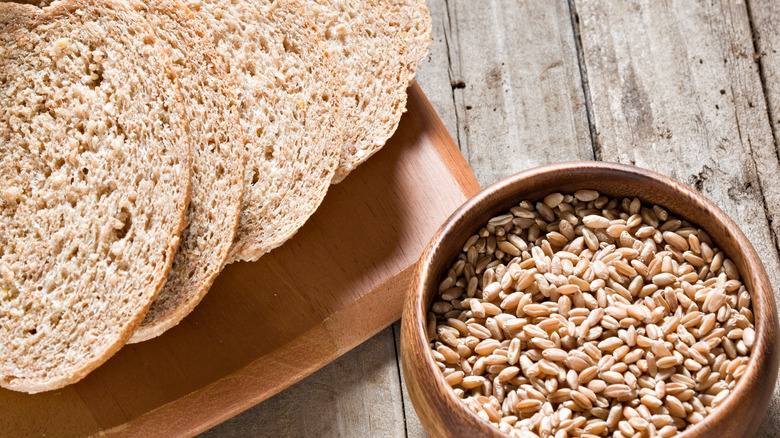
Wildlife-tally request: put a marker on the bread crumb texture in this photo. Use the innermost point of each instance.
(94, 176)
(377, 45)
(217, 147)
(289, 114)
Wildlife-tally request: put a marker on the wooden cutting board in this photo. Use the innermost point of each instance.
(268, 324)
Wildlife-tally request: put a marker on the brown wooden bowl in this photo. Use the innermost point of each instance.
(443, 415)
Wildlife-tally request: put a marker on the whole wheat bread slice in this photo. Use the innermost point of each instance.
(289, 113)
(377, 45)
(217, 148)
(94, 180)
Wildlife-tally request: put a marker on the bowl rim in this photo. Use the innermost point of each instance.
(416, 311)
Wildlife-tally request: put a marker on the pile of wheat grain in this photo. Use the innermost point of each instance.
(581, 315)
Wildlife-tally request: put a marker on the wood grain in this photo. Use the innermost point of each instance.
(515, 83)
(675, 89)
(765, 24)
(434, 73)
(266, 325)
(444, 415)
(414, 428)
(765, 20)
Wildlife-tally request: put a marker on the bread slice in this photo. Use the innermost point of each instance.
(94, 180)
(289, 114)
(377, 45)
(217, 148)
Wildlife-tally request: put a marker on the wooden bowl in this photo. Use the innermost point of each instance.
(443, 415)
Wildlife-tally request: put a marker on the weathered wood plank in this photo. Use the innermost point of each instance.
(358, 394)
(414, 428)
(765, 19)
(515, 83)
(675, 89)
(765, 23)
(434, 74)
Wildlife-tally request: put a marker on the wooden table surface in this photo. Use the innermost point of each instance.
(690, 89)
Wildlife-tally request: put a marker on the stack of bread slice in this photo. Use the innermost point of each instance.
(144, 144)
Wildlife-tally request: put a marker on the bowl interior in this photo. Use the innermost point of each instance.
(616, 181)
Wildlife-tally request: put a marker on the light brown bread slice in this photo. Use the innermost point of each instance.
(377, 45)
(289, 114)
(94, 180)
(217, 148)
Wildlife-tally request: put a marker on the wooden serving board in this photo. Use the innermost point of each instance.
(266, 325)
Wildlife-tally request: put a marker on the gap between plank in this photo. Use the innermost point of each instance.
(449, 71)
(770, 115)
(574, 18)
(400, 380)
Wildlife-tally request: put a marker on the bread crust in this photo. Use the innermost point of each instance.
(94, 178)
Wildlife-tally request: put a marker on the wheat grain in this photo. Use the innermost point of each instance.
(582, 315)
